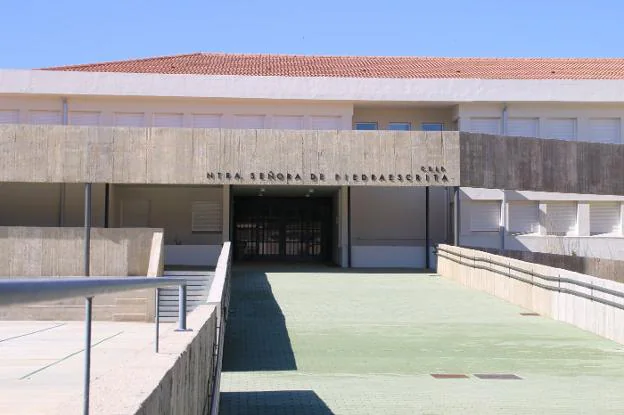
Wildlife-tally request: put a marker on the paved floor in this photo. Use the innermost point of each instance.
(365, 343)
(41, 362)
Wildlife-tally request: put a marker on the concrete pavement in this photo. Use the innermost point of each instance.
(327, 342)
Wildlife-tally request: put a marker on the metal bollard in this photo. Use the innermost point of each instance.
(182, 308)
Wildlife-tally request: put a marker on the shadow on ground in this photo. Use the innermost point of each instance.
(300, 402)
(256, 338)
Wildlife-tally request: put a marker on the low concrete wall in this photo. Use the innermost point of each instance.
(183, 378)
(58, 252)
(477, 269)
(175, 381)
(607, 269)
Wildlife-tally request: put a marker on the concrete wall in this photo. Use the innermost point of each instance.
(177, 380)
(58, 252)
(607, 269)
(187, 156)
(383, 115)
(589, 315)
(516, 163)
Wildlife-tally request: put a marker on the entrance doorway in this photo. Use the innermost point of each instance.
(283, 228)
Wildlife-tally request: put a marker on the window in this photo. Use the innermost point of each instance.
(485, 125)
(9, 116)
(129, 119)
(325, 122)
(84, 118)
(46, 117)
(604, 130)
(485, 216)
(561, 128)
(249, 121)
(168, 120)
(366, 126)
(206, 217)
(604, 218)
(522, 217)
(561, 218)
(432, 126)
(206, 120)
(288, 122)
(523, 127)
(399, 126)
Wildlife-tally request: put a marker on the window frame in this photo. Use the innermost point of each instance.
(374, 123)
(423, 124)
(404, 123)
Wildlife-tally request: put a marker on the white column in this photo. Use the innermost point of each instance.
(582, 219)
(226, 212)
(621, 219)
(503, 221)
(543, 218)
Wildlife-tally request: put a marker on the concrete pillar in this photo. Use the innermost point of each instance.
(226, 212)
(343, 221)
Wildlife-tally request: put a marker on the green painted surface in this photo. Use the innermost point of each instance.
(367, 343)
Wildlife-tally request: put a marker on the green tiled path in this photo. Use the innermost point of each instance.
(367, 343)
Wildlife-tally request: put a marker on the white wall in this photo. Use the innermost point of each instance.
(580, 243)
(582, 113)
(388, 225)
(226, 112)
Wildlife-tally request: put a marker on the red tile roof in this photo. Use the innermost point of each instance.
(364, 66)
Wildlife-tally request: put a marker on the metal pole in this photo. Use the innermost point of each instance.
(427, 242)
(157, 340)
(349, 248)
(456, 218)
(89, 300)
(87, 229)
(182, 308)
(87, 361)
(503, 222)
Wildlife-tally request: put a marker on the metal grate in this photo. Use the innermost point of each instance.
(282, 228)
(498, 376)
(449, 376)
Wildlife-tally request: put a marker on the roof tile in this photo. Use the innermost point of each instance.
(364, 66)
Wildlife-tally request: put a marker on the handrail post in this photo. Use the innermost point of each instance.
(182, 308)
(157, 318)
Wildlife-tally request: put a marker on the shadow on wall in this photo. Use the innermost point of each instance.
(304, 402)
(256, 338)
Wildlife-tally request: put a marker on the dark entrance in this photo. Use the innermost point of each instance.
(282, 228)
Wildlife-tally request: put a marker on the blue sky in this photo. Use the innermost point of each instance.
(39, 33)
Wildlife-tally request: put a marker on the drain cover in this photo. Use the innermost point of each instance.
(449, 376)
(498, 376)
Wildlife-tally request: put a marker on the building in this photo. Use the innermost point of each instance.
(248, 107)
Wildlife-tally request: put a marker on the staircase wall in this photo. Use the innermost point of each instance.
(36, 252)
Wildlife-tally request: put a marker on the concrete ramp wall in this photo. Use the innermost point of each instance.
(35, 252)
(590, 303)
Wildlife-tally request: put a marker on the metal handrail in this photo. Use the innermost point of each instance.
(35, 290)
(531, 281)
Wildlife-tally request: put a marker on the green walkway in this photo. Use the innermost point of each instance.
(368, 343)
